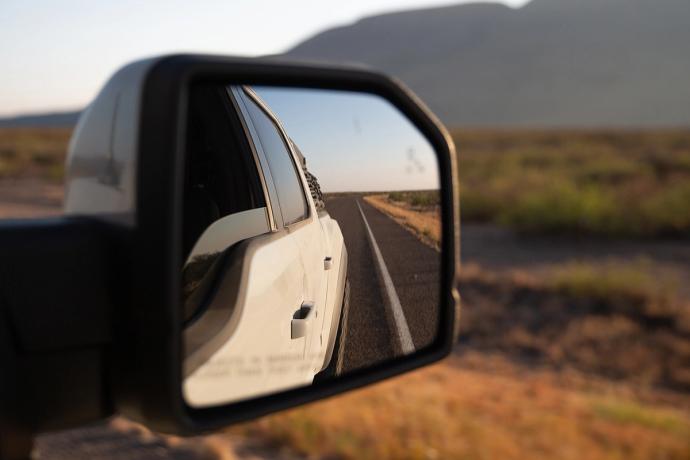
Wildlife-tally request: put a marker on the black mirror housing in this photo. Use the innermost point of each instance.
(142, 374)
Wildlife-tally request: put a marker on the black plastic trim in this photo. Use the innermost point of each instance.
(56, 303)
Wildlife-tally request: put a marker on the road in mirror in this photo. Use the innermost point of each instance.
(311, 239)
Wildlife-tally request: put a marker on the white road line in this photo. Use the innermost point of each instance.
(404, 337)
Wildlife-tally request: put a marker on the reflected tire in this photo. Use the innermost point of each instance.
(337, 365)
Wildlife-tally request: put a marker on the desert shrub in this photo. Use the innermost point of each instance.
(421, 198)
(396, 196)
(429, 198)
(561, 207)
(478, 206)
(668, 210)
(634, 283)
(632, 413)
(600, 182)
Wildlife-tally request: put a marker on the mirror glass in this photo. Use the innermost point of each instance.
(311, 239)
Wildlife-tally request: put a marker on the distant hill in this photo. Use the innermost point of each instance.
(56, 119)
(552, 62)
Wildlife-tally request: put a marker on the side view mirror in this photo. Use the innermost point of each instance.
(241, 236)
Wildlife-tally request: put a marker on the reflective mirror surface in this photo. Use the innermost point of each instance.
(311, 239)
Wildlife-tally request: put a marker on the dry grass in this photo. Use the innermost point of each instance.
(449, 412)
(425, 223)
(36, 153)
(596, 325)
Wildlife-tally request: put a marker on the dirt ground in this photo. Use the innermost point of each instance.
(29, 198)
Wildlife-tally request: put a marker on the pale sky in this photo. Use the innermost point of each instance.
(56, 55)
(338, 132)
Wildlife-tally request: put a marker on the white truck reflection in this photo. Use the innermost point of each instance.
(264, 285)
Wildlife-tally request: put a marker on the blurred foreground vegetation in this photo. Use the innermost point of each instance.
(479, 407)
(36, 153)
(611, 183)
(422, 198)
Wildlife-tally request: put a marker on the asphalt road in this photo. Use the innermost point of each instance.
(414, 269)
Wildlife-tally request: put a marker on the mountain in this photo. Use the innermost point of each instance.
(56, 119)
(572, 63)
(549, 63)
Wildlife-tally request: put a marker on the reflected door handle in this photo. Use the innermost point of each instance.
(301, 320)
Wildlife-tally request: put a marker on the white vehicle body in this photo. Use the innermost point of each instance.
(274, 325)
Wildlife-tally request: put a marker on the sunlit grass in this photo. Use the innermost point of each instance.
(424, 221)
(632, 413)
(422, 198)
(635, 282)
(450, 412)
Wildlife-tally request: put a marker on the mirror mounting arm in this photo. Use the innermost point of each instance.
(55, 323)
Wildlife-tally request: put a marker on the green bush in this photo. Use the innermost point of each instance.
(422, 198)
(560, 207)
(626, 183)
(668, 210)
